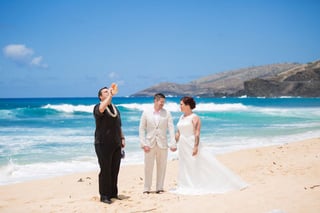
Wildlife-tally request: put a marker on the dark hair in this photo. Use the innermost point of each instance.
(188, 101)
(158, 96)
(100, 91)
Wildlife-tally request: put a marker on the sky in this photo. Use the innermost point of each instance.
(72, 48)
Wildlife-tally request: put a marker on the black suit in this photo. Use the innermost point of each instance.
(108, 150)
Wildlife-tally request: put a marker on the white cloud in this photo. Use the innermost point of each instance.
(23, 55)
(37, 61)
(17, 51)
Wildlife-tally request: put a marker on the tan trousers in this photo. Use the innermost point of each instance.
(160, 156)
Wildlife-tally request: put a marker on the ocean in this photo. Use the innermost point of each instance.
(47, 137)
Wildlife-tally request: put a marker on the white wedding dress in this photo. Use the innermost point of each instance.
(201, 174)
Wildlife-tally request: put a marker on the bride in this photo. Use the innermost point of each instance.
(199, 171)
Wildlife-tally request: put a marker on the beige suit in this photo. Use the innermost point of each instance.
(153, 132)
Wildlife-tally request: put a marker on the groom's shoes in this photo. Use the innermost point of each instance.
(159, 191)
(105, 200)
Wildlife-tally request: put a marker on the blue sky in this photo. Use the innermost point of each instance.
(71, 48)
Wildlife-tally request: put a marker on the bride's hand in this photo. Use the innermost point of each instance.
(195, 151)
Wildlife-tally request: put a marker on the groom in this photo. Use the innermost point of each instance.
(155, 123)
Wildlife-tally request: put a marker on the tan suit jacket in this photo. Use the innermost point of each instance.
(153, 131)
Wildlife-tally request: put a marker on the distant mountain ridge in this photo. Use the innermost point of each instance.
(286, 79)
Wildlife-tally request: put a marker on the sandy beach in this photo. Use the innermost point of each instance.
(282, 178)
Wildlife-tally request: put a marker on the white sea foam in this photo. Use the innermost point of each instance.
(284, 112)
(219, 145)
(15, 173)
(175, 107)
(69, 108)
(212, 107)
(6, 114)
(206, 107)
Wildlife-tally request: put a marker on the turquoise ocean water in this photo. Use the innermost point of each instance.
(46, 137)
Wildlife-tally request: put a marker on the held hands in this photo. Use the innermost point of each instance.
(173, 149)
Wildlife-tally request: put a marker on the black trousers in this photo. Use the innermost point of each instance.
(109, 159)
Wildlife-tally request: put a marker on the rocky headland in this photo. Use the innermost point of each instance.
(275, 80)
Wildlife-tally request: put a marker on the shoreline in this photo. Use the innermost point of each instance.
(280, 177)
(49, 170)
